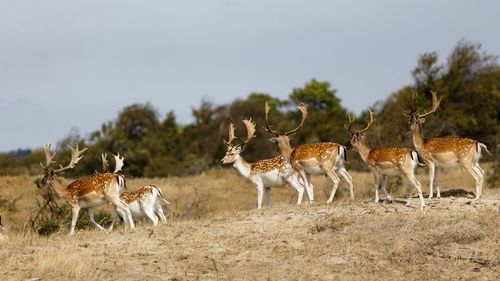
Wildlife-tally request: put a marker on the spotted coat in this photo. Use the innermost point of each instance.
(97, 183)
(396, 156)
(461, 147)
(263, 166)
(132, 196)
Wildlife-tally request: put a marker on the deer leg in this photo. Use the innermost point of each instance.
(294, 182)
(415, 183)
(384, 184)
(122, 207)
(480, 174)
(437, 171)
(432, 174)
(148, 211)
(343, 172)
(336, 180)
(377, 182)
(92, 219)
(268, 197)
(259, 185)
(75, 211)
(159, 213)
(476, 177)
(115, 218)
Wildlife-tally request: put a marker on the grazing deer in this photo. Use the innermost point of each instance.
(146, 201)
(87, 192)
(264, 173)
(386, 161)
(312, 159)
(444, 152)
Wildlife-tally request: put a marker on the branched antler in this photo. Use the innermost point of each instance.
(49, 157)
(369, 122)
(435, 104)
(269, 128)
(351, 122)
(76, 156)
(250, 125)
(105, 163)
(231, 134)
(118, 162)
(303, 110)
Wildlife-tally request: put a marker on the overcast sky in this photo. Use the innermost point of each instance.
(66, 64)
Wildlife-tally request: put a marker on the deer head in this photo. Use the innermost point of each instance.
(416, 119)
(50, 173)
(357, 136)
(283, 140)
(233, 150)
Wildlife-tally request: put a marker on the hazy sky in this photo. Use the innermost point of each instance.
(67, 64)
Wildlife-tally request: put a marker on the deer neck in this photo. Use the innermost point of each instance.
(59, 188)
(242, 166)
(285, 148)
(363, 149)
(418, 137)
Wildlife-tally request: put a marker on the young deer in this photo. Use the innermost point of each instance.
(312, 159)
(264, 173)
(444, 152)
(87, 192)
(386, 161)
(146, 201)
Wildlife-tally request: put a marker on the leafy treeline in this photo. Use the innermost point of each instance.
(157, 146)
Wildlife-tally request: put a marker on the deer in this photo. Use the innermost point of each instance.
(322, 158)
(444, 152)
(146, 201)
(88, 192)
(386, 161)
(267, 173)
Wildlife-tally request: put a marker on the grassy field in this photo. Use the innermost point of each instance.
(214, 232)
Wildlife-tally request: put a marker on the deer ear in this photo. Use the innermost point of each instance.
(422, 120)
(274, 140)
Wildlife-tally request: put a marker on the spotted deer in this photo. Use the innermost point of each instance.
(146, 201)
(312, 159)
(87, 192)
(266, 173)
(386, 161)
(444, 152)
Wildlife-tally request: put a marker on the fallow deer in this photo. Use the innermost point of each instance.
(266, 173)
(87, 192)
(444, 152)
(386, 161)
(312, 159)
(146, 201)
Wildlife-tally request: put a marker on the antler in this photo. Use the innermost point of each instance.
(76, 155)
(351, 122)
(435, 104)
(231, 134)
(269, 128)
(369, 122)
(49, 158)
(118, 162)
(105, 163)
(303, 110)
(250, 125)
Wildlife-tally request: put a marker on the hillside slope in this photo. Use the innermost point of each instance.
(455, 238)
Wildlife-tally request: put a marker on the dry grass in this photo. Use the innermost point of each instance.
(456, 238)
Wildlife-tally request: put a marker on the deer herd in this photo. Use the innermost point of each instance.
(293, 167)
